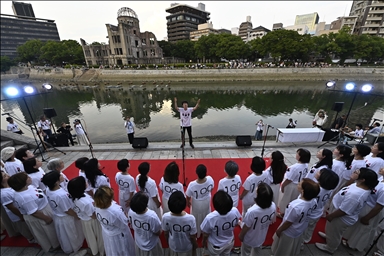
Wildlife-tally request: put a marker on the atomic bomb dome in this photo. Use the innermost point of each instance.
(126, 12)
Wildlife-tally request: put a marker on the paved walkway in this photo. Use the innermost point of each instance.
(171, 150)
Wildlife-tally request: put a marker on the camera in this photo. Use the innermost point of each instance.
(76, 120)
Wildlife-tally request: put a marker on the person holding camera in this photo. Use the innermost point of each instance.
(291, 124)
(13, 126)
(80, 133)
(130, 127)
(66, 129)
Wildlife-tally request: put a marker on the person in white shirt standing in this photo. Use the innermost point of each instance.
(12, 165)
(44, 126)
(259, 130)
(130, 127)
(169, 183)
(320, 118)
(80, 133)
(185, 120)
(232, 182)
(13, 126)
(126, 184)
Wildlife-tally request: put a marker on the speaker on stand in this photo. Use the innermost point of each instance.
(49, 113)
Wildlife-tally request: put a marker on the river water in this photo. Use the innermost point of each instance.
(226, 108)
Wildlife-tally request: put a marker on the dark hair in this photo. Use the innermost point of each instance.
(328, 179)
(363, 150)
(201, 171)
(171, 173)
(76, 187)
(327, 160)
(368, 175)
(177, 202)
(231, 168)
(143, 170)
(360, 126)
(122, 165)
(91, 169)
(380, 146)
(278, 167)
(290, 120)
(29, 165)
(347, 157)
(20, 153)
(139, 202)
(258, 165)
(184, 101)
(18, 181)
(9, 118)
(305, 155)
(377, 124)
(103, 197)
(264, 197)
(311, 188)
(50, 179)
(79, 163)
(222, 202)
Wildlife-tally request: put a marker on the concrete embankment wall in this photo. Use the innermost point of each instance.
(257, 74)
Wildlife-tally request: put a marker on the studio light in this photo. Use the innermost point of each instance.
(350, 86)
(47, 86)
(330, 83)
(29, 89)
(11, 91)
(366, 88)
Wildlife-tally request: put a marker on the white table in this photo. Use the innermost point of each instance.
(299, 135)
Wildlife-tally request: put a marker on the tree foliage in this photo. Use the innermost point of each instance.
(6, 63)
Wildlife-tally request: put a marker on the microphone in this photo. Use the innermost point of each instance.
(380, 120)
(5, 114)
(271, 126)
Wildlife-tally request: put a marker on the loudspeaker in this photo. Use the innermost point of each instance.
(244, 140)
(140, 142)
(58, 140)
(50, 112)
(338, 106)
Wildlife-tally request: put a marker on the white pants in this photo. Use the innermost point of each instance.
(155, 251)
(276, 192)
(247, 250)
(94, 236)
(334, 231)
(200, 209)
(309, 231)
(69, 232)
(82, 139)
(285, 245)
(290, 193)
(224, 251)
(164, 203)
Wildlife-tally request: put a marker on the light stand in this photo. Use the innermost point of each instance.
(350, 107)
(183, 154)
(89, 141)
(265, 138)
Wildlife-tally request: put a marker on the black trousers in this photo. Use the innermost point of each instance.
(69, 135)
(189, 130)
(130, 137)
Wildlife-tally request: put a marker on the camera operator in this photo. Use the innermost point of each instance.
(81, 137)
(66, 129)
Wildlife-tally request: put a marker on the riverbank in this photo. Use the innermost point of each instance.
(196, 75)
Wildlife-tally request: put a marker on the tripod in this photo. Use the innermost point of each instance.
(183, 155)
(335, 137)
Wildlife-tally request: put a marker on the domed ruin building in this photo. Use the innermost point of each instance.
(127, 45)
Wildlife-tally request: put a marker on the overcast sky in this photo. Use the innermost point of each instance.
(87, 19)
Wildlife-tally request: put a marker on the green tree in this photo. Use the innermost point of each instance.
(206, 47)
(167, 48)
(345, 44)
(231, 47)
(73, 52)
(6, 63)
(184, 49)
(30, 51)
(256, 49)
(52, 52)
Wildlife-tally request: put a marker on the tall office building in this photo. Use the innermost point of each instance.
(310, 20)
(16, 30)
(245, 28)
(368, 17)
(184, 19)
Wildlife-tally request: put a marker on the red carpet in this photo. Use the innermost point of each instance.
(215, 169)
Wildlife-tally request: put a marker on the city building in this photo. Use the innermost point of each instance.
(235, 31)
(369, 17)
(245, 28)
(310, 20)
(202, 30)
(16, 30)
(224, 31)
(258, 32)
(277, 26)
(127, 45)
(301, 29)
(184, 19)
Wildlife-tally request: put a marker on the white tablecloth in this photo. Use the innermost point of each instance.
(299, 135)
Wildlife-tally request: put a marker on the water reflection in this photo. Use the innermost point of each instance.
(225, 108)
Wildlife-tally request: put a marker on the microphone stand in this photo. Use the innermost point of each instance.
(89, 141)
(265, 138)
(183, 154)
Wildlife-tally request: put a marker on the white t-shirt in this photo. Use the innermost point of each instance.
(374, 163)
(14, 167)
(79, 129)
(258, 221)
(350, 200)
(126, 183)
(251, 184)
(145, 225)
(220, 227)
(45, 125)
(150, 187)
(64, 184)
(168, 188)
(36, 179)
(59, 201)
(129, 126)
(112, 219)
(259, 126)
(31, 200)
(180, 229)
(321, 199)
(185, 117)
(297, 212)
(359, 133)
(7, 196)
(84, 207)
(232, 187)
(100, 180)
(82, 174)
(356, 164)
(312, 172)
(13, 127)
(339, 167)
(201, 191)
(296, 172)
(378, 196)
